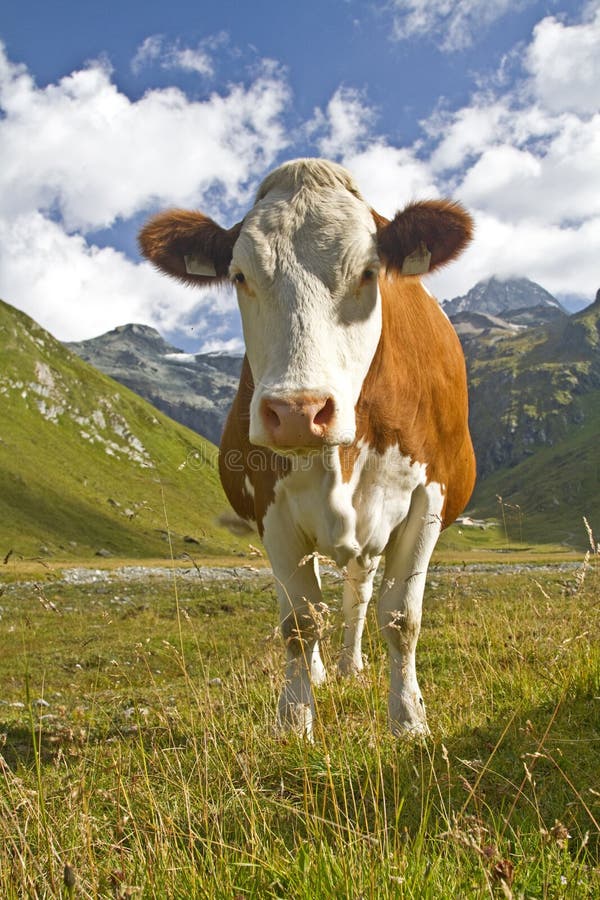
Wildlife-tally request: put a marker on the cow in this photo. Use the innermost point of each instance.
(348, 437)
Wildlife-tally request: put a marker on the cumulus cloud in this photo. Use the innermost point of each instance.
(524, 161)
(84, 150)
(564, 63)
(78, 290)
(453, 24)
(79, 155)
(230, 346)
(555, 184)
(390, 177)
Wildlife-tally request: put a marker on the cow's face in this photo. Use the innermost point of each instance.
(305, 263)
(305, 268)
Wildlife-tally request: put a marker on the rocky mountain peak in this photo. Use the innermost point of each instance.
(194, 389)
(133, 336)
(500, 297)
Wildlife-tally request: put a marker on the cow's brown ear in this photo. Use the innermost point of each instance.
(189, 246)
(424, 236)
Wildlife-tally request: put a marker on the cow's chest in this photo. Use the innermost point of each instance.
(344, 519)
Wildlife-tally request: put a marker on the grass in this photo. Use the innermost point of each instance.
(550, 486)
(155, 769)
(87, 466)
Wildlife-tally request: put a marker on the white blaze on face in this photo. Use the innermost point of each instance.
(305, 266)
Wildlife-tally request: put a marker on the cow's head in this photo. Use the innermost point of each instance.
(305, 263)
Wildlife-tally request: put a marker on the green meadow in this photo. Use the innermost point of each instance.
(140, 756)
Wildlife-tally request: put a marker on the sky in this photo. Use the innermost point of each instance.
(110, 112)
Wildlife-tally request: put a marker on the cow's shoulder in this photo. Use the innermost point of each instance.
(415, 393)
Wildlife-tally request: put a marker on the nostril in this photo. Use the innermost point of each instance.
(271, 418)
(325, 414)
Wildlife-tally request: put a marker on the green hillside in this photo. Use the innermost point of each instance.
(88, 466)
(535, 420)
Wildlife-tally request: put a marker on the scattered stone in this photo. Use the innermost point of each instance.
(188, 539)
(104, 553)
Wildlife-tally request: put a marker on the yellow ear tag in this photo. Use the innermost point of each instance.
(198, 265)
(417, 262)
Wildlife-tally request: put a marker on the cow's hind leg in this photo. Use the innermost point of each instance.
(358, 588)
(299, 594)
(400, 604)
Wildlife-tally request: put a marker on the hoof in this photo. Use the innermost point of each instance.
(410, 731)
(296, 718)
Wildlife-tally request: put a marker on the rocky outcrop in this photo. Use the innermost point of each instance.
(194, 389)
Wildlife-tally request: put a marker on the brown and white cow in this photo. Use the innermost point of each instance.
(348, 434)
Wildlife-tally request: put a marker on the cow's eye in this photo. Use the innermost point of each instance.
(368, 275)
(239, 278)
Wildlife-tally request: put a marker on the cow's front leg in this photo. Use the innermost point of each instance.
(299, 594)
(400, 604)
(358, 588)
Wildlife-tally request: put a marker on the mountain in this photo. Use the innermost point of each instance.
(86, 466)
(513, 300)
(197, 389)
(194, 389)
(535, 421)
(534, 381)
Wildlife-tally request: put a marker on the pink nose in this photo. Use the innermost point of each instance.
(297, 422)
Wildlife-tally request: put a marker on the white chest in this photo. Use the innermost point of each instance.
(345, 520)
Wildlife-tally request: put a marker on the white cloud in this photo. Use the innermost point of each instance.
(172, 56)
(455, 24)
(462, 135)
(84, 150)
(78, 155)
(525, 162)
(560, 259)
(76, 290)
(231, 346)
(564, 63)
(554, 184)
(148, 52)
(347, 122)
(390, 177)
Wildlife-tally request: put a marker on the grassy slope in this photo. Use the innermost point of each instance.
(155, 765)
(63, 491)
(544, 387)
(553, 489)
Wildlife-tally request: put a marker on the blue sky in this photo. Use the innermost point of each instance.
(111, 111)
